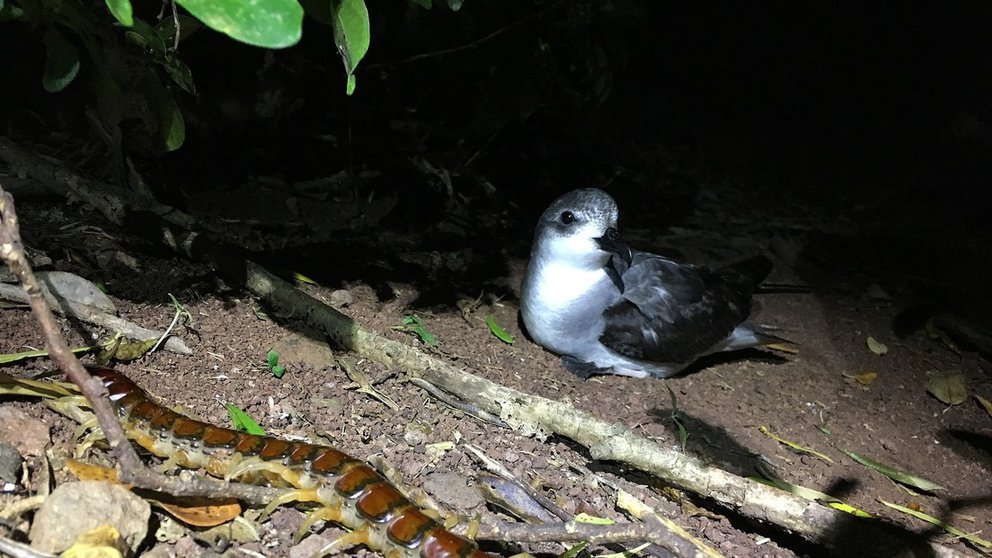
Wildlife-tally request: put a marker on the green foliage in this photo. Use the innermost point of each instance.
(242, 421)
(126, 84)
(498, 330)
(262, 23)
(351, 35)
(273, 359)
(122, 11)
(154, 41)
(414, 324)
(61, 62)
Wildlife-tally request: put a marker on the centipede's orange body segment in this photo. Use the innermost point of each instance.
(350, 491)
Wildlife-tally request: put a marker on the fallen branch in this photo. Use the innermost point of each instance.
(680, 544)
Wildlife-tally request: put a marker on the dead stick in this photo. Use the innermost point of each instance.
(574, 531)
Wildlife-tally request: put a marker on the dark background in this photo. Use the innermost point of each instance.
(879, 111)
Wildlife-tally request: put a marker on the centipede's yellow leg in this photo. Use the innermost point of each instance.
(345, 541)
(254, 464)
(320, 514)
(170, 462)
(291, 495)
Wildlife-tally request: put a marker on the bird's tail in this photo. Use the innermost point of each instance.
(750, 335)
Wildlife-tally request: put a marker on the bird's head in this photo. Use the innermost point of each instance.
(580, 228)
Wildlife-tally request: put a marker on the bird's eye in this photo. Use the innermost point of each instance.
(567, 218)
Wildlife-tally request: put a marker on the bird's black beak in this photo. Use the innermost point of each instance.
(612, 243)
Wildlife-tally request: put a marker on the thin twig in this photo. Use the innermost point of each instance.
(20, 550)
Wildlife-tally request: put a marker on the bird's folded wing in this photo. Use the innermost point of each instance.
(672, 312)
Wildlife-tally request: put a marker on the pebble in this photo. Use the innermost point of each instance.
(10, 464)
(309, 546)
(76, 507)
(453, 490)
(341, 298)
(26, 433)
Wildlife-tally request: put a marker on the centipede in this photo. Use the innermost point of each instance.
(346, 491)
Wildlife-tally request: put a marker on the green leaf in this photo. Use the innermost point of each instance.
(262, 23)
(187, 26)
(498, 330)
(180, 74)
(122, 11)
(273, 359)
(154, 40)
(455, 5)
(413, 323)
(144, 35)
(303, 278)
(10, 12)
(575, 550)
(808, 493)
(173, 126)
(242, 421)
(61, 62)
(895, 474)
(351, 35)
(7, 358)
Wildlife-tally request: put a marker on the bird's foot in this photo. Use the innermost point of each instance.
(582, 369)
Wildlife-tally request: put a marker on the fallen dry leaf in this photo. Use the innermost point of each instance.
(876, 346)
(948, 387)
(202, 513)
(103, 542)
(865, 378)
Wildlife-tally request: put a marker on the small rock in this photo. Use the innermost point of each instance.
(452, 490)
(302, 349)
(309, 546)
(76, 507)
(58, 286)
(286, 520)
(160, 550)
(876, 292)
(332, 405)
(26, 433)
(341, 298)
(188, 546)
(416, 433)
(10, 464)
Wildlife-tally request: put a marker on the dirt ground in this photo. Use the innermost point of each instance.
(724, 402)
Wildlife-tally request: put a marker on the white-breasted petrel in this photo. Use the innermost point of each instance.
(608, 309)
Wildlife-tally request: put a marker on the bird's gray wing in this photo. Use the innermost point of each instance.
(673, 312)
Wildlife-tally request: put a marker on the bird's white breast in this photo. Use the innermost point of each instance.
(558, 286)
